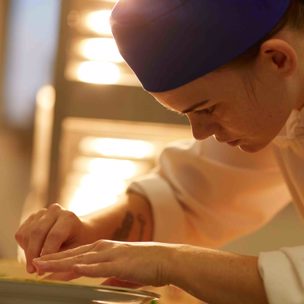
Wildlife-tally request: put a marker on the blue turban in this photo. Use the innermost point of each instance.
(168, 43)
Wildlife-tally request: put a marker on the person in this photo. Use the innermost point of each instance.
(236, 70)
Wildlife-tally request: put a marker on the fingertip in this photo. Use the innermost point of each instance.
(30, 268)
(78, 268)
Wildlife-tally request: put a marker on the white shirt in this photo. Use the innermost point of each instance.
(206, 193)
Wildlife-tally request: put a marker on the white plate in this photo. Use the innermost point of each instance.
(14, 291)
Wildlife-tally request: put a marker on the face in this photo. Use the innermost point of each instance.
(233, 105)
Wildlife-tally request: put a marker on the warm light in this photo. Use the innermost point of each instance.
(112, 168)
(99, 182)
(95, 192)
(98, 72)
(116, 147)
(99, 22)
(100, 49)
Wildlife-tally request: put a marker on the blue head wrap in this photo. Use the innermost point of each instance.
(169, 43)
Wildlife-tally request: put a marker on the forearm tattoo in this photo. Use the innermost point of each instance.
(122, 233)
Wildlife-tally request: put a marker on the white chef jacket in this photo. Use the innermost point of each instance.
(206, 193)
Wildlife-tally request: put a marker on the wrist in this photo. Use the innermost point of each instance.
(176, 264)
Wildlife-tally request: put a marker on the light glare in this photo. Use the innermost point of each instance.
(98, 72)
(116, 147)
(99, 22)
(100, 49)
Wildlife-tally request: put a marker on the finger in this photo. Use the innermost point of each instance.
(38, 235)
(23, 232)
(57, 236)
(66, 264)
(62, 276)
(23, 237)
(67, 253)
(121, 283)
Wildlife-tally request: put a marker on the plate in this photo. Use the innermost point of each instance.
(14, 291)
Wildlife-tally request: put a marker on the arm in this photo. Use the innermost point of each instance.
(213, 276)
(55, 229)
(128, 220)
(219, 277)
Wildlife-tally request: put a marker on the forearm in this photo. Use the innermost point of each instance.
(218, 277)
(128, 220)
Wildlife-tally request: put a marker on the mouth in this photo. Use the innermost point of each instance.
(229, 142)
(233, 143)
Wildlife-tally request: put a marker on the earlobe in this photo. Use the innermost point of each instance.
(280, 55)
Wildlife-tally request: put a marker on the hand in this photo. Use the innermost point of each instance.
(212, 276)
(49, 231)
(139, 263)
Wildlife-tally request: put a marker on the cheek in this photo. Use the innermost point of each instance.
(228, 117)
(237, 120)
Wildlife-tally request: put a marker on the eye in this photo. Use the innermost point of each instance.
(207, 111)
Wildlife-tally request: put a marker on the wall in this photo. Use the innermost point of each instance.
(3, 11)
(32, 30)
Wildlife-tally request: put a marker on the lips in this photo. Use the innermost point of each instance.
(233, 143)
(227, 141)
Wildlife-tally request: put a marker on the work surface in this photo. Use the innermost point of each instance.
(11, 269)
(17, 287)
(16, 270)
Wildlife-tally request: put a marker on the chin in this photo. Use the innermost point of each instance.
(253, 148)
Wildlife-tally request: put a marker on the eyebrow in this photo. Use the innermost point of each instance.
(193, 107)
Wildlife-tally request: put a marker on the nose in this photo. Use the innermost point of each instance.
(202, 130)
(200, 135)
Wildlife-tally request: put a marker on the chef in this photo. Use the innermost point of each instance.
(236, 70)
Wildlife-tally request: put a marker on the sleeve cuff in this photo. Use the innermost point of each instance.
(168, 214)
(283, 275)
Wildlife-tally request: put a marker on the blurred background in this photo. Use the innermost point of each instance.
(71, 111)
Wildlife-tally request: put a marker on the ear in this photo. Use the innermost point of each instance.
(279, 55)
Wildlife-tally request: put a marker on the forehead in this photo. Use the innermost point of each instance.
(181, 96)
(207, 87)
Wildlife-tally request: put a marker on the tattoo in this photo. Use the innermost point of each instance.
(122, 233)
(142, 224)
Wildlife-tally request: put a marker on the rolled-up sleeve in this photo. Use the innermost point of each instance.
(207, 194)
(282, 272)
